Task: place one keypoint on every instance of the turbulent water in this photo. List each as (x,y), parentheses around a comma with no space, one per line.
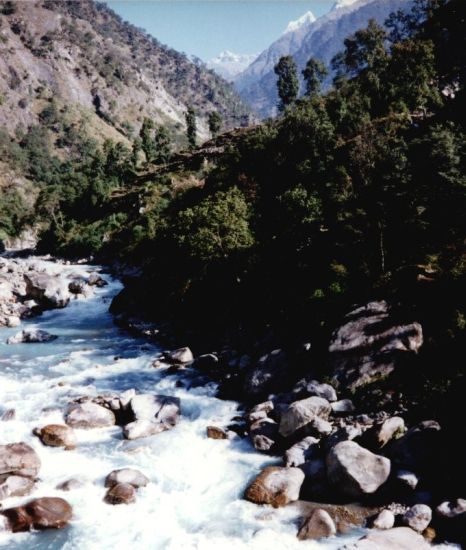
(194,498)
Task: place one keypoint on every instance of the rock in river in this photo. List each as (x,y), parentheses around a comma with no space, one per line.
(57,435)
(19,459)
(41,513)
(32,336)
(318,525)
(301,413)
(89,415)
(126,475)
(276,486)
(152,414)
(399,538)
(355,471)
(121,493)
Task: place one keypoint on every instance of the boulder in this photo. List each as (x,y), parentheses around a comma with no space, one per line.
(57,435)
(418,517)
(77,286)
(152,415)
(95,279)
(267,375)
(385,520)
(121,493)
(31,336)
(89,415)
(407,479)
(49,291)
(213,432)
(326,391)
(262,443)
(301,413)
(344,406)
(302,451)
(70,484)
(370,345)
(380,434)
(9,414)
(207,362)
(418,449)
(355,471)
(126,475)
(40,513)
(15,486)
(276,486)
(179,356)
(19,459)
(317,526)
(453,509)
(399,538)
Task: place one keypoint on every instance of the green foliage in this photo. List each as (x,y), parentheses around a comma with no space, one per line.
(215,123)
(314,74)
(215,228)
(191,127)
(287,83)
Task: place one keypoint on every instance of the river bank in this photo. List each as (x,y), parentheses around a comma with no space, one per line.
(196,484)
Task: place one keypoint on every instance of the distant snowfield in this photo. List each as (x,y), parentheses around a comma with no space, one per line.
(229,64)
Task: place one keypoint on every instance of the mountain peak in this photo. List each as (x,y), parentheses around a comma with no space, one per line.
(305,19)
(229,64)
(343,4)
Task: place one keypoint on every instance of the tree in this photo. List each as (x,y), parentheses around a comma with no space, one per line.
(191,128)
(215,123)
(287,83)
(162,144)
(314,74)
(147,138)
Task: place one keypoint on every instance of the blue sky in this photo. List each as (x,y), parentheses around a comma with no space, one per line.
(206,27)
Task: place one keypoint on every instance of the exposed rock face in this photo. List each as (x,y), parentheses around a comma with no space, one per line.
(355,471)
(49,291)
(418,517)
(57,435)
(121,493)
(126,475)
(301,413)
(152,414)
(318,525)
(276,486)
(401,538)
(32,336)
(41,513)
(89,415)
(19,459)
(370,345)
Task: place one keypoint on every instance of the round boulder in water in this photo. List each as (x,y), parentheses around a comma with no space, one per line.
(121,493)
(126,475)
(89,415)
(19,459)
(276,486)
(41,513)
(57,435)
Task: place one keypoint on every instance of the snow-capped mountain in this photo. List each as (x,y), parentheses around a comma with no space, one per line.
(228,64)
(321,38)
(303,21)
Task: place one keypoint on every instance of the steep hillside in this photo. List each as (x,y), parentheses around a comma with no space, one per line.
(106,71)
(322,39)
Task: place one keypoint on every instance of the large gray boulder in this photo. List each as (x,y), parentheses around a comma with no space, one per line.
(152,415)
(15,486)
(301,413)
(276,486)
(126,475)
(399,538)
(302,451)
(48,290)
(89,415)
(370,345)
(19,459)
(355,471)
(179,356)
(418,517)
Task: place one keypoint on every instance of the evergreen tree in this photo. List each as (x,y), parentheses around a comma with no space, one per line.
(287,83)
(314,74)
(162,146)
(215,123)
(147,139)
(191,128)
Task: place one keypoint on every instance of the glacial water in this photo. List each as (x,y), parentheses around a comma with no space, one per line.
(194,498)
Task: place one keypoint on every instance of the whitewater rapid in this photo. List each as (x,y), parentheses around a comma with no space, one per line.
(194,498)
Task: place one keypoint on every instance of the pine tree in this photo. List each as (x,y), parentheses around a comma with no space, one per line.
(314,74)
(287,83)
(147,139)
(162,143)
(215,123)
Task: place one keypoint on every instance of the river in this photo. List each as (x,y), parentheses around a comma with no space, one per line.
(194,498)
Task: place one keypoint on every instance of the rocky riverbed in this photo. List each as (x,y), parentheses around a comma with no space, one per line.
(108,441)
